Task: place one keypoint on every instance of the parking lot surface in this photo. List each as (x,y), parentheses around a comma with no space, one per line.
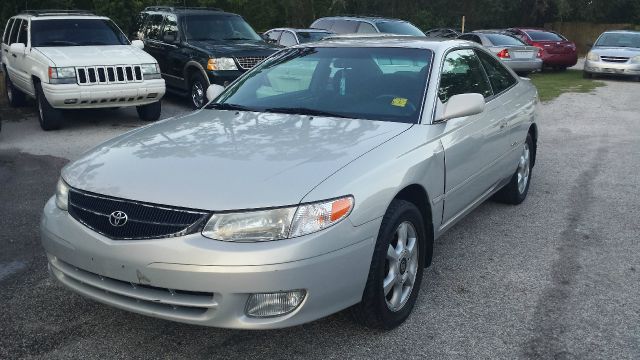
(557,277)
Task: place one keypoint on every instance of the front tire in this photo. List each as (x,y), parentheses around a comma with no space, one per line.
(149,112)
(50,118)
(518,187)
(396,269)
(15,97)
(198,90)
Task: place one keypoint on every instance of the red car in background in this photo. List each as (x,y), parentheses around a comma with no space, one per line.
(555,50)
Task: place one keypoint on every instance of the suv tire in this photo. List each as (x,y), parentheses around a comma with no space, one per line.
(376,310)
(50,117)
(516,190)
(149,112)
(198,90)
(15,97)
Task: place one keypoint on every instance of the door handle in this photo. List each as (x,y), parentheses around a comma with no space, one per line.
(14,55)
(503,125)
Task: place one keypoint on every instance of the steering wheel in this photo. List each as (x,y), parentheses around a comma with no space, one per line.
(408,104)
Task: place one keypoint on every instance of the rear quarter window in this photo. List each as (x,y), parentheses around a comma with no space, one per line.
(7,31)
(14,32)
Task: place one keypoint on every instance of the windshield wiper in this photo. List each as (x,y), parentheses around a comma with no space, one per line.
(227,106)
(237,38)
(304,111)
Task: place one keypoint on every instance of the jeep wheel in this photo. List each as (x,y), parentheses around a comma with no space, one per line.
(15,97)
(50,117)
(198,90)
(149,112)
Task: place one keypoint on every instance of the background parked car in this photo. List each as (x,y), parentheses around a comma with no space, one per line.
(197,47)
(444,33)
(615,52)
(288,37)
(520,57)
(362,24)
(557,51)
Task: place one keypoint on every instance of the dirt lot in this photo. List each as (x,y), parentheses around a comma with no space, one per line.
(557,277)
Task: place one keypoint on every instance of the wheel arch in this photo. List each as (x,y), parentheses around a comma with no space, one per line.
(417,195)
(192,67)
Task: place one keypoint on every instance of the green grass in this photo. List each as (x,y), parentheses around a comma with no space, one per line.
(551,84)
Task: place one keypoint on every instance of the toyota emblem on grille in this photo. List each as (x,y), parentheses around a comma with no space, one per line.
(118,218)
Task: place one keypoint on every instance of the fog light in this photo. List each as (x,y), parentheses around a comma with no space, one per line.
(274,304)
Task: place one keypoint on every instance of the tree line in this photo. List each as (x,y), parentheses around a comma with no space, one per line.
(426,14)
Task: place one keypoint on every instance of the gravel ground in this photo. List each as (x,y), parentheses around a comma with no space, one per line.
(557,277)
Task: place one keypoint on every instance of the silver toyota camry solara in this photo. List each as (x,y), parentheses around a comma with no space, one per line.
(316,182)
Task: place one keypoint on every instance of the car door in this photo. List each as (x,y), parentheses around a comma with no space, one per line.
(152,33)
(172,56)
(472,145)
(5,39)
(17,64)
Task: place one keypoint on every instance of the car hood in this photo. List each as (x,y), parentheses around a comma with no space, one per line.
(235,48)
(225,160)
(616,51)
(96,55)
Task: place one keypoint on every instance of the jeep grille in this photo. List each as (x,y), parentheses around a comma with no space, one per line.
(114,74)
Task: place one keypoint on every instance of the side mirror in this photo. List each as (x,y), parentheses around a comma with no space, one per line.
(213,91)
(169,38)
(17,48)
(138,43)
(462,105)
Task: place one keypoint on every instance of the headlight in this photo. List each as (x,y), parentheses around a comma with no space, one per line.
(62,195)
(591,56)
(221,64)
(150,71)
(277,224)
(636,59)
(62,75)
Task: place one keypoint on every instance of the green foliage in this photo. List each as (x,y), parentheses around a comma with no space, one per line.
(552,84)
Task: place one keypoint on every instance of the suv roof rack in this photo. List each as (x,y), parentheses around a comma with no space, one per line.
(174,8)
(51,12)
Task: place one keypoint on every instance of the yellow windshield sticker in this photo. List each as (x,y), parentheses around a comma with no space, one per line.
(401,102)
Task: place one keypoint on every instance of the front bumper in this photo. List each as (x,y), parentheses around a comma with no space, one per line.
(171,279)
(603,67)
(74,96)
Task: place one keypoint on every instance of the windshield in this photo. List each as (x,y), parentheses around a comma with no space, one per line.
(537,35)
(503,40)
(218,27)
(76,32)
(384,84)
(398,27)
(631,40)
(311,36)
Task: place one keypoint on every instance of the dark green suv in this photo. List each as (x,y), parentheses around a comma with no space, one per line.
(196,47)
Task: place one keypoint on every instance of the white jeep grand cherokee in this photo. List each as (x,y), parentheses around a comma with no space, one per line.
(77,60)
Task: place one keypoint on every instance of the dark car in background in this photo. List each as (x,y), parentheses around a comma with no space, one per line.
(557,51)
(286,37)
(366,25)
(196,47)
(520,57)
(443,33)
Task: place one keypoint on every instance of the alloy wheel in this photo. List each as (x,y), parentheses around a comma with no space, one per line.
(401,266)
(524,168)
(197,94)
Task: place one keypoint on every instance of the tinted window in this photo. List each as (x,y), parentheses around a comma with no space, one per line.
(170,28)
(631,40)
(7,31)
(153,27)
(471,37)
(14,31)
(398,27)
(139,25)
(503,40)
(500,78)
(310,36)
(384,84)
(344,27)
(462,74)
(537,35)
(287,39)
(322,24)
(76,32)
(366,28)
(23,33)
(218,27)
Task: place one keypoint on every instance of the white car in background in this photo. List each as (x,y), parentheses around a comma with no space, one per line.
(76,60)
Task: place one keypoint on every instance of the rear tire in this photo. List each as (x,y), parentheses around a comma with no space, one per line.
(398,263)
(15,97)
(198,90)
(149,112)
(50,118)
(517,189)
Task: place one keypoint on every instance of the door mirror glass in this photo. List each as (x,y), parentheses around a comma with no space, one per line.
(138,43)
(462,105)
(213,91)
(17,48)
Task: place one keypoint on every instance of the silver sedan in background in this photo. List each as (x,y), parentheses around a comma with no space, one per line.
(614,53)
(317,181)
(522,58)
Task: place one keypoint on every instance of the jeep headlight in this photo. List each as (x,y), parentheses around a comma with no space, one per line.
(635,59)
(591,56)
(62,75)
(150,71)
(62,195)
(221,64)
(278,224)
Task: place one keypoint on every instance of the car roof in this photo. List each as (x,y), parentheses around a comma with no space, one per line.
(621,32)
(300,30)
(47,14)
(404,41)
(360,17)
(186,10)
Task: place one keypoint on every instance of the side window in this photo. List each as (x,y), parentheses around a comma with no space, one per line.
(287,39)
(7,31)
(462,74)
(500,78)
(170,31)
(323,24)
(153,27)
(23,33)
(14,32)
(344,27)
(366,28)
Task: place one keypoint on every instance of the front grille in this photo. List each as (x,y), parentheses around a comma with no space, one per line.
(111,74)
(171,303)
(106,215)
(614,59)
(248,62)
